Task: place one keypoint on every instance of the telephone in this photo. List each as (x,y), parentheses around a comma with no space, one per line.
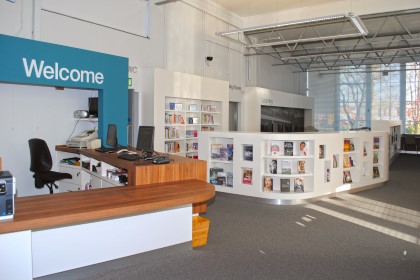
(81,140)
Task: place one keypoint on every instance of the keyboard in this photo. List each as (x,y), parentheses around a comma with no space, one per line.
(105,150)
(128,156)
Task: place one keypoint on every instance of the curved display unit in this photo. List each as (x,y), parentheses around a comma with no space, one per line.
(294,168)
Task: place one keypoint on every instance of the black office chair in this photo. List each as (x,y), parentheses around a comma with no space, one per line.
(41,163)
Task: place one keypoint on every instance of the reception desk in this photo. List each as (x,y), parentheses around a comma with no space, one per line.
(53,233)
(180,168)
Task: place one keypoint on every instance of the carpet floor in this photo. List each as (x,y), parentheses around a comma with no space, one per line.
(374,234)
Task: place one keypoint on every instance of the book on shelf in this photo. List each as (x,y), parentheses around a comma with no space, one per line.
(288,148)
(215,151)
(347,177)
(207,128)
(375,157)
(335,161)
(376,143)
(300,166)
(223,153)
(376,172)
(303,148)
(178,106)
(272,166)
(364,150)
(286,167)
(299,185)
(229,151)
(321,151)
(274,149)
(214,175)
(229,179)
(247,176)
(346,145)
(268,184)
(346,161)
(284,185)
(248,152)
(192,107)
(171,106)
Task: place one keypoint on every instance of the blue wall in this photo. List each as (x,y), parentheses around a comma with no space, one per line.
(24,61)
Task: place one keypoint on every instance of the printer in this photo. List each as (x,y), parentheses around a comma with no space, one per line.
(7,195)
(82,140)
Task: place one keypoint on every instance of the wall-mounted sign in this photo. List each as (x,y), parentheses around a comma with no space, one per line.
(266,101)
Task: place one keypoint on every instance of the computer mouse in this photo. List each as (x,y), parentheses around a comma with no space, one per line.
(122,151)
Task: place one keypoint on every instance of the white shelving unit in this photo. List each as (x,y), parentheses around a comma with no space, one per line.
(88,172)
(184,119)
(178,105)
(394,129)
(325,172)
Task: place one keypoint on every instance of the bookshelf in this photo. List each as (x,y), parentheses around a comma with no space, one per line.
(180,106)
(324,165)
(184,119)
(394,130)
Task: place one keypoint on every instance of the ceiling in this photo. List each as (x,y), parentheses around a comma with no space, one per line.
(326,45)
(246,8)
(331,44)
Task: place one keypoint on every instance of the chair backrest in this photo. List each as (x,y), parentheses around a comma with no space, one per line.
(41,160)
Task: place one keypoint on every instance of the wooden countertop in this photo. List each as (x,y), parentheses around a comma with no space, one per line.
(63,209)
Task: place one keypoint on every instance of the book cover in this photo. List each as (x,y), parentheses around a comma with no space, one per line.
(178,106)
(248,153)
(171,106)
(284,185)
(214,175)
(303,149)
(215,151)
(275,149)
(346,145)
(301,166)
(223,153)
(299,185)
(268,184)
(288,148)
(192,107)
(272,166)
(286,167)
(247,176)
(347,177)
(376,143)
(346,161)
(229,151)
(335,161)
(376,172)
(221,179)
(327,171)
(321,151)
(229,179)
(375,157)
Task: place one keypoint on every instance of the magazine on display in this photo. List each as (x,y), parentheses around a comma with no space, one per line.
(268,184)
(288,148)
(299,185)
(285,185)
(286,167)
(301,166)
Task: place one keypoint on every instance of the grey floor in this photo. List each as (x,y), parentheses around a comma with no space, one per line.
(373,234)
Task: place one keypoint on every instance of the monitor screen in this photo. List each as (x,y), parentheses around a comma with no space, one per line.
(93,106)
(145,138)
(111,138)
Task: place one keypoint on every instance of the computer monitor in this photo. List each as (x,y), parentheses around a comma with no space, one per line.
(93,107)
(145,139)
(111,138)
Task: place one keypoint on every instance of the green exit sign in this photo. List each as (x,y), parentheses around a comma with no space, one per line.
(130,82)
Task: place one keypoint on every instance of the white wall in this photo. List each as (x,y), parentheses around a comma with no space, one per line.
(36,112)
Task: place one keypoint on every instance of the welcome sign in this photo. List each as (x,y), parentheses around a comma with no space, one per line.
(26,61)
